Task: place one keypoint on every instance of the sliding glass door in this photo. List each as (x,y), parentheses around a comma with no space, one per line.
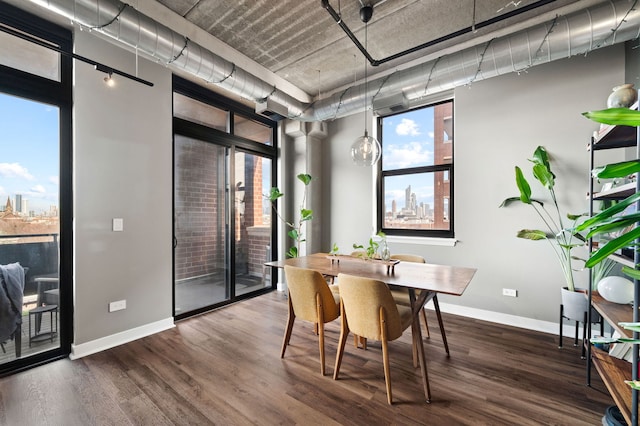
(35,192)
(201,234)
(223,235)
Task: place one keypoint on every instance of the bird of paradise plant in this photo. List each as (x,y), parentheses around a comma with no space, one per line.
(561,239)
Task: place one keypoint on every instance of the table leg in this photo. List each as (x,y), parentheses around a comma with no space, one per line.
(440,323)
(416,333)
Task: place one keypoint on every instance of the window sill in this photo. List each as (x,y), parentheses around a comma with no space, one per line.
(424,241)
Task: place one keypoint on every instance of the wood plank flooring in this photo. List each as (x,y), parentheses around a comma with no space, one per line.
(224,368)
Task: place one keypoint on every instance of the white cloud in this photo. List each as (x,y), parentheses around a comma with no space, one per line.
(407,155)
(2,191)
(39,189)
(54,180)
(407,127)
(14,170)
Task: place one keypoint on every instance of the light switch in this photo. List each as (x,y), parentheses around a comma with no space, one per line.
(118,224)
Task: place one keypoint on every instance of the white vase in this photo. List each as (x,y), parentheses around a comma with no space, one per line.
(623,96)
(616,289)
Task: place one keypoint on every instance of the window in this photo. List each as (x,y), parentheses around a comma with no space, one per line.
(416,186)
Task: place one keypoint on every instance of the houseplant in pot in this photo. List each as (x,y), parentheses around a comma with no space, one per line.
(562,239)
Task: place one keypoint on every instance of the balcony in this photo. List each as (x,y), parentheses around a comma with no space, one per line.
(38,253)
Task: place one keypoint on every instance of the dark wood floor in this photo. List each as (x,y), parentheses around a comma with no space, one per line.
(225,368)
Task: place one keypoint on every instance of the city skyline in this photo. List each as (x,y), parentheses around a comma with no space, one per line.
(29,161)
(408,141)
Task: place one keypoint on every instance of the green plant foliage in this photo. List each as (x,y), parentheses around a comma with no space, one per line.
(612,218)
(561,240)
(305,215)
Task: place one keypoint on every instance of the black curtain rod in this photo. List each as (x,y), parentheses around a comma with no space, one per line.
(97,65)
(376,62)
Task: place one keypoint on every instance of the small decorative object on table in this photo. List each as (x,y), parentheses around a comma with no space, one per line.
(623,96)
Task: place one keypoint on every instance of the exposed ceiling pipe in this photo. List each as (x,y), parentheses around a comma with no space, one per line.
(476,26)
(604,24)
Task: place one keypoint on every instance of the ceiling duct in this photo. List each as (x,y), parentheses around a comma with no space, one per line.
(391,104)
(601,25)
(271,109)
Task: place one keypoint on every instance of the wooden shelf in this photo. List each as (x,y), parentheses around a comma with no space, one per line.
(610,136)
(614,372)
(618,193)
(613,313)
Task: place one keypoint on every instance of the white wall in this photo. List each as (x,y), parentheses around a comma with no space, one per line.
(498,124)
(122,169)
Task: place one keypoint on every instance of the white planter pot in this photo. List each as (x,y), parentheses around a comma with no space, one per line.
(575,304)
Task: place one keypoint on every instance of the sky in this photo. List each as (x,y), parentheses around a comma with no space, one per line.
(407,141)
(29,152)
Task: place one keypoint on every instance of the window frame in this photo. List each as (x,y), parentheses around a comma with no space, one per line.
(382,174)
(60,93)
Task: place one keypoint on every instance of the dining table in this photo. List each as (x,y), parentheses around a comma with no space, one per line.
(428,279)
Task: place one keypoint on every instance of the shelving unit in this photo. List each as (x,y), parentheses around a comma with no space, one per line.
(615,371)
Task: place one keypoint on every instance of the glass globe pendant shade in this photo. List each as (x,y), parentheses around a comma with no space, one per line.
(366,150)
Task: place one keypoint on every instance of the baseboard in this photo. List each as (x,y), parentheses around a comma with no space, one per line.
(108,342)
(507,319)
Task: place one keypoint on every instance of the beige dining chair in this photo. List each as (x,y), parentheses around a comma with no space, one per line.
(401,296)
(368,310)
(310,299)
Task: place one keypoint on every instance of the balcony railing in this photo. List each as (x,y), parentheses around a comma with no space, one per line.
(38,252)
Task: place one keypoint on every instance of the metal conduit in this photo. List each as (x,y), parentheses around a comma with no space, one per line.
(605,24)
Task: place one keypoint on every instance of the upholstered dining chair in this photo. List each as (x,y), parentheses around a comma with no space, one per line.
(401,296)
(368,310)
(310,299)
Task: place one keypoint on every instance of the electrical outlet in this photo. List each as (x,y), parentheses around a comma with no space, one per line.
(117,305)
(509,292)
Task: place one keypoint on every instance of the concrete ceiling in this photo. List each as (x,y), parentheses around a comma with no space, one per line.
(300,42)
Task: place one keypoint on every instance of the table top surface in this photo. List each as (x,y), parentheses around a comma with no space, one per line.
(424,276)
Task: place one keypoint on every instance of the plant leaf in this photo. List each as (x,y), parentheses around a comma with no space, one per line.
(631,272)
(304,178)
(544,176)
(540,156)
(612,246)
(293,252)
(510,200)
(274,194)
(293,234)
(617,170)
(523,186)
(616,116)
(306,214)
(532,234)
(608,213)
(618,222)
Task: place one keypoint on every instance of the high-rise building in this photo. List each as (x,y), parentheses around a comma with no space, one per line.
(17,206)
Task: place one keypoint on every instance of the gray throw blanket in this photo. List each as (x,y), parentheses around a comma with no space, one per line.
(11,292)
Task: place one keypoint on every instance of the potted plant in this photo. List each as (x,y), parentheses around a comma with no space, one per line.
(560,238)
(295,233)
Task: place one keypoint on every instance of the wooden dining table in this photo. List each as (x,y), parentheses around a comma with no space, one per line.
(430,279)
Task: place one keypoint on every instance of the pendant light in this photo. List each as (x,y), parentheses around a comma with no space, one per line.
(366,149)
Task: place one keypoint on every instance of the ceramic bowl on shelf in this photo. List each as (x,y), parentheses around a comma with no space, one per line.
(616,289)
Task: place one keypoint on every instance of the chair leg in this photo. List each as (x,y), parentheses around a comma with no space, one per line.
(560,333)
(287,332)
(436,305)
(575,338)
(320,325)
(344,333)
(385,355)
